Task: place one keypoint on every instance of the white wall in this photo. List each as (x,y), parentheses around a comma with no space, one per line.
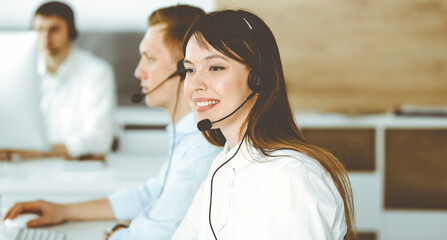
(106,15)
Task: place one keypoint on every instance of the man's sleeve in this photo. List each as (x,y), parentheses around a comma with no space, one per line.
(161,218)
(129,202)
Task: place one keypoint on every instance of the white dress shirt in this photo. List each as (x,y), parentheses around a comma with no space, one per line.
(78,103)
(286,197)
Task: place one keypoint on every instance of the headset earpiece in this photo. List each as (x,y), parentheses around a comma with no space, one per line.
(181,69)
(254,78)
(254,81)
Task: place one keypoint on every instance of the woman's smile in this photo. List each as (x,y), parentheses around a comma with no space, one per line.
(205,104)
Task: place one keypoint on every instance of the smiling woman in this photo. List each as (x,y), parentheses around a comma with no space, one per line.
(211,81)
(268,183)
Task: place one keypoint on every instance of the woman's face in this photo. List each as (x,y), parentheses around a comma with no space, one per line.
(216,85)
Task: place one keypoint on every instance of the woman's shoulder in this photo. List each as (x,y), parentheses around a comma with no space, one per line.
(287,164)
(303,173)
(288,158)
(299,185)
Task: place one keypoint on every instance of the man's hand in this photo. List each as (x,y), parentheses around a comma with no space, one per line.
(57,150)
(6,154)
(50,213)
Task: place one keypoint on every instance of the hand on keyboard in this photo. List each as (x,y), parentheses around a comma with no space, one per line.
(50,213)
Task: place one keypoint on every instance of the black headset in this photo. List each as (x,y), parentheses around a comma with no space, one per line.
(254,78)
(180,70)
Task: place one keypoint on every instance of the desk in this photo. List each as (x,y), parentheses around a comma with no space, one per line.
(93,230)
(60,181)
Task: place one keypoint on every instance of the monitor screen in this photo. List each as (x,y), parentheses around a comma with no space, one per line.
(21,122)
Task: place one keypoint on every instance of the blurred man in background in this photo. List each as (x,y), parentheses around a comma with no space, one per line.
(77,89)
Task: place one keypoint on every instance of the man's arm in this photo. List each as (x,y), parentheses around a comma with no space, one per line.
(53,213)
(99,209)
(189,168)
(8,154)
(57,150)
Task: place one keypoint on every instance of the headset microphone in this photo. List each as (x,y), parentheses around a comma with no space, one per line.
(137,97)
(206,124)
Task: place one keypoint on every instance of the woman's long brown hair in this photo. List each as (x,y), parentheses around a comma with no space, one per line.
(271,126)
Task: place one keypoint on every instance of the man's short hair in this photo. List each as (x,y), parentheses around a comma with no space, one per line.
(178,19)
(61,10)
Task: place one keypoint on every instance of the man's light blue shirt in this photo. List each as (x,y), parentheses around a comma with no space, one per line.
(157,216)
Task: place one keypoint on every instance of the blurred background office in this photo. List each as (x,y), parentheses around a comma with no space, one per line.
(367,80)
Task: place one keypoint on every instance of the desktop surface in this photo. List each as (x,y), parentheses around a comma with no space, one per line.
(62,181)
(59,176)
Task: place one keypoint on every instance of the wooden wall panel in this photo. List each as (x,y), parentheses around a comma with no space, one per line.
(366,236)
(350,55)
(416,169)
(355,148)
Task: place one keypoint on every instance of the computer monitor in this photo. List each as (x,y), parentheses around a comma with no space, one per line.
(21,124)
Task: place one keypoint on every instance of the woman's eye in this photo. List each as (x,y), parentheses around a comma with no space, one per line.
(189,70)
(216,68)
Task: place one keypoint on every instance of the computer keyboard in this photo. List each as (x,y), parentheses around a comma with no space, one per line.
(38,234)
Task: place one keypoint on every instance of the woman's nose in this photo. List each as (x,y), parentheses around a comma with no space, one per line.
(196,81)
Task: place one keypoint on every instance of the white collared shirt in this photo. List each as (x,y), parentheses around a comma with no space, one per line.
(286,197)
(78,103)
